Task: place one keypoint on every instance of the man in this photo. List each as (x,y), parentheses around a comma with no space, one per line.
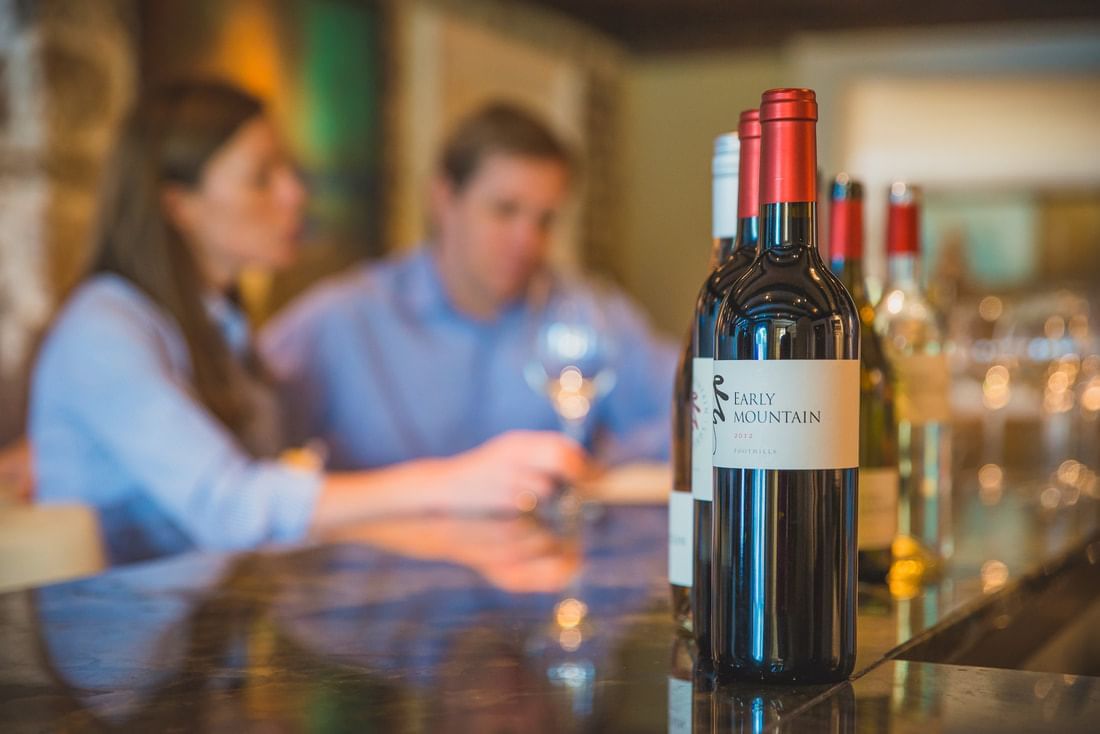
(425,354)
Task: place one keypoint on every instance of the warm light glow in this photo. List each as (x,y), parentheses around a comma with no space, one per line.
(1057,398)
(1090,484)
(997,376)
(1050,498)
(1070,365)
(570,639)
(570,613)
(1058,382)
(990,479)
(1070,471)
(994,576)
(995,388)
(990,475)
(571,379)
(246,50)
(573,407)
(1090,398)
(905,577)
(990,308)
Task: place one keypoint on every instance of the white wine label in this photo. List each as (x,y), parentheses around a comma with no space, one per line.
(878,508)
(679,705)
(724,201)
(786,413)
(680,551)
(924,388)
(702,429)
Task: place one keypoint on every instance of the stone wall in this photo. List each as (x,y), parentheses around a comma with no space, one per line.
(67,75)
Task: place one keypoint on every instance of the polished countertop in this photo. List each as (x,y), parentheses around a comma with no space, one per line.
(500,625)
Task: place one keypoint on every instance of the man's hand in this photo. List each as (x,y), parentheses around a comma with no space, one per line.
(513,471)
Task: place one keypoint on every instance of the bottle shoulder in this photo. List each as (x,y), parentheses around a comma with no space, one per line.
(723,277)
(794,285)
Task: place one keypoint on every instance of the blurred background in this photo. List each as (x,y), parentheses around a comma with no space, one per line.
(992,106)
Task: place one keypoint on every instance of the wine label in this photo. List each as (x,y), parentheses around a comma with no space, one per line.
(724,212)
(679,705)
(924,388)
(878,508)
(680,550)
(702,429)
(786,413)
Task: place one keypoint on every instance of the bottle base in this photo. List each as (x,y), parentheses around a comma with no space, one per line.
(804,675)
(681,608)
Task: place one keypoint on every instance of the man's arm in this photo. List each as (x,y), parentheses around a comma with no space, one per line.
(635,418)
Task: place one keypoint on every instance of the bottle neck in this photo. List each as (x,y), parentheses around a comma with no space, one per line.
(850,272)
(846,229)
(748,191)
(723,250)
(748,237)
(748,233)
(903,268)
(790,226)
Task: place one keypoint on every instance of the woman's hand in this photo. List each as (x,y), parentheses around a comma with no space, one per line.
(16,471)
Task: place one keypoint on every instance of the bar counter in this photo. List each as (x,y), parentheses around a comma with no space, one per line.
(499,625)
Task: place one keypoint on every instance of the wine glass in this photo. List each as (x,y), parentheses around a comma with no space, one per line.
(572,358)
(572,363)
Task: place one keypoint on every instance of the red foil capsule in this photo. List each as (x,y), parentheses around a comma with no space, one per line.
(788,146)
(846,219)
(748,197)
(903,220)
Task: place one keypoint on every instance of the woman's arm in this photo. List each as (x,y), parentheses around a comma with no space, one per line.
(111,413)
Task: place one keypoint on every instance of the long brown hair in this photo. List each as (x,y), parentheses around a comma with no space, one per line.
(168,139)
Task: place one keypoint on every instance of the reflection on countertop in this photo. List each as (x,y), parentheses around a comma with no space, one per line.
(501,625)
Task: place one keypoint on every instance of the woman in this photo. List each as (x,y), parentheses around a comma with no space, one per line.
(148,401)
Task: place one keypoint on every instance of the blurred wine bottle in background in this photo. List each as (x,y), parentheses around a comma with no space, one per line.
(878,440)
(915,346)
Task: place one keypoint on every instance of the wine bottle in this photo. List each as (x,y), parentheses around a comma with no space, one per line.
(680,548)
(739,252)
(915,347)
(690,463)
(786,458)
(878,433)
